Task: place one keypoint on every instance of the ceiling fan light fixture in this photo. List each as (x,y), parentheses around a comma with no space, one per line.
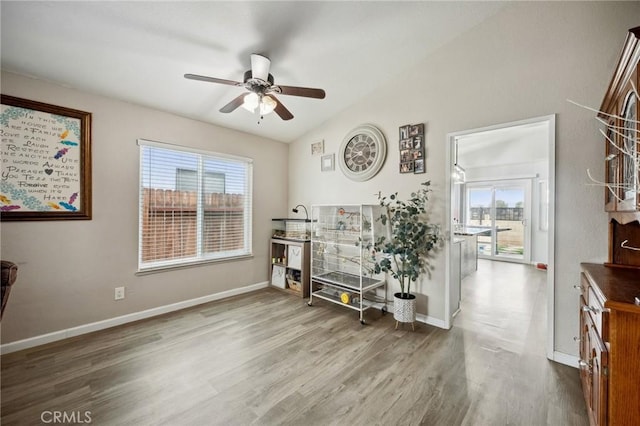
(251,102)
(267,105)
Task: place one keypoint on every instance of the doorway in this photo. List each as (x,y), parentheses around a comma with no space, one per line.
(501,177)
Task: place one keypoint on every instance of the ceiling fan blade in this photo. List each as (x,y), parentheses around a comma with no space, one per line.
(231,106)
(281,110)
(260,66)
(306,92)
(212,79)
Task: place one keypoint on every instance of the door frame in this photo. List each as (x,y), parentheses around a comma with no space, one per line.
(449,184)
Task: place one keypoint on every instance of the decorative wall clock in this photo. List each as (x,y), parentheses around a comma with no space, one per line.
(362,153)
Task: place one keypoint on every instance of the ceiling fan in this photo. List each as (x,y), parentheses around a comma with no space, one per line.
(261,87)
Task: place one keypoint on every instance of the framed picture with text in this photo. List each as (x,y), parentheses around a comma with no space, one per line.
(46,161)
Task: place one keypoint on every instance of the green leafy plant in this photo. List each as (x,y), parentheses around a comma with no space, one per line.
(405,254)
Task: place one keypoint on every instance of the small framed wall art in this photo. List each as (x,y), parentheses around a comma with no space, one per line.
(317,148)
(411,145)
(327,163)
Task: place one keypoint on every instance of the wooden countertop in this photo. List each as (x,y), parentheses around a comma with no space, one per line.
(618,286)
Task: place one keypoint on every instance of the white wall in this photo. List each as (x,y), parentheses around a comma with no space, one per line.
(68,269)
(524,62)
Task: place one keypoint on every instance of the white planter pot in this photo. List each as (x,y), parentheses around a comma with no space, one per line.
(404,310)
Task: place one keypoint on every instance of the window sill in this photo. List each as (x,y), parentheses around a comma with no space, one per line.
(185,265)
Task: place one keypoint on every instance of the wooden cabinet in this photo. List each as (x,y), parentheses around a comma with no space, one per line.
(290,266)
(594,357)
(610,344)
(610,293)
(619,110)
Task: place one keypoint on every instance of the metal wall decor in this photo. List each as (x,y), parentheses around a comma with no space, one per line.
(412,158)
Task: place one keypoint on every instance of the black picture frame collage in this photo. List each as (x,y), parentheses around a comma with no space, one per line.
(412,158)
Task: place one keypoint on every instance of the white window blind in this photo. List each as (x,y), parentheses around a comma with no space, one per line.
(195,206)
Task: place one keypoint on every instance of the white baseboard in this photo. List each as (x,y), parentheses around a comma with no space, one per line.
(426,319)
(436,322)
(566,359)
(112,322)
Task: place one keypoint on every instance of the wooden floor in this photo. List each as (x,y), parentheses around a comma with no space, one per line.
(266,358)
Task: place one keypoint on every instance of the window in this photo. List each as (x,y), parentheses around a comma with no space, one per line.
(187,180)
(195,206)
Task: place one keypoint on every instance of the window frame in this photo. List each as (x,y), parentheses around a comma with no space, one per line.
(201,258)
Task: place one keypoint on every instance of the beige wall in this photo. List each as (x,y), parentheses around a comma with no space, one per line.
(524,62)
(68,269)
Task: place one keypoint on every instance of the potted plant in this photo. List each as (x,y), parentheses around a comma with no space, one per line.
(405,253)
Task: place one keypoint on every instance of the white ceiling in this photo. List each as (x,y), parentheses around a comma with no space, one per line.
(139,51)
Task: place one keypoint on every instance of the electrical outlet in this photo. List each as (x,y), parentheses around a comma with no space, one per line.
(119,293)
